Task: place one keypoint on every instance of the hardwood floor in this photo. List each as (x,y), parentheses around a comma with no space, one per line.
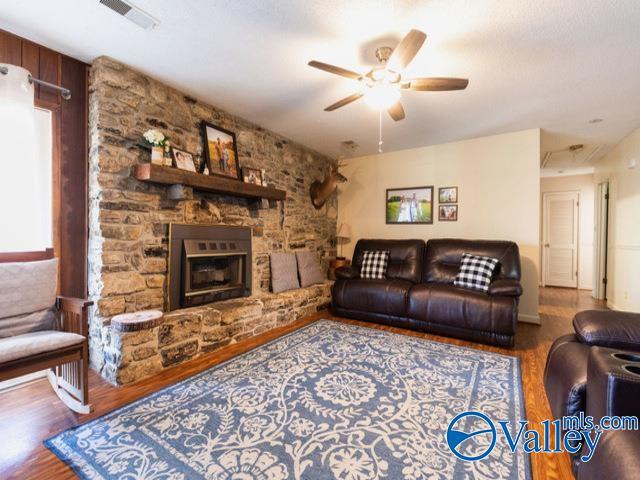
(32,413)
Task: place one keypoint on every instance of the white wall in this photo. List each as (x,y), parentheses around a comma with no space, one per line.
(498,181)
(623,279)
(584,185)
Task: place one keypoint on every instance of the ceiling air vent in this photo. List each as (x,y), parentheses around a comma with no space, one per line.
(131,12)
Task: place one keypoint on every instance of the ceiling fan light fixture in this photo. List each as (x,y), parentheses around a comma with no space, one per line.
(382,96)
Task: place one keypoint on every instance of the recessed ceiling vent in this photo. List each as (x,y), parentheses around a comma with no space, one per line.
(131,12)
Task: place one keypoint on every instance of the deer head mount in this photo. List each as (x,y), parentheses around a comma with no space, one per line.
(321,191)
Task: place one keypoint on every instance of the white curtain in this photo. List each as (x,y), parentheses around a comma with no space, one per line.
(25,178)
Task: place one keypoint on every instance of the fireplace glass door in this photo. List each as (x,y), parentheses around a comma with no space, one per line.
(215,273)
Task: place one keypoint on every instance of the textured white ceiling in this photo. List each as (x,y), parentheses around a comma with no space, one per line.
(552,64)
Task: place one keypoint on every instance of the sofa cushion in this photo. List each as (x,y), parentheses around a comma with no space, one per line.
(444,255)
(475,272)
(284,272)
(405,257)
(309,268)
(565,376)
(30,344)
(27,287)
(29,322)
(608,328)
(374,264)
(380,296)
(462,308)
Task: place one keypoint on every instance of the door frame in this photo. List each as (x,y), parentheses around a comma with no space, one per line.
(545,232)
(601,240)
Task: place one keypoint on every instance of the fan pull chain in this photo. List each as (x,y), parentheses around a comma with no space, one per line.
(380,131)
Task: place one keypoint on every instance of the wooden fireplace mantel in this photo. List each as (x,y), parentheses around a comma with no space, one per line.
(148,172)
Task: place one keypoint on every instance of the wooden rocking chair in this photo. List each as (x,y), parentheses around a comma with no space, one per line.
(40,331)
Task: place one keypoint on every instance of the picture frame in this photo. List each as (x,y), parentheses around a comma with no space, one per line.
(220,151)
(448,195)
(448,213)
(412,205)
(183,160)
(252,175)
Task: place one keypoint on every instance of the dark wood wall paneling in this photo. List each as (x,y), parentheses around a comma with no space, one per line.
(69,153)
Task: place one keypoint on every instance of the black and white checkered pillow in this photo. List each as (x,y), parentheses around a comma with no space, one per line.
(475,272)
(374,264)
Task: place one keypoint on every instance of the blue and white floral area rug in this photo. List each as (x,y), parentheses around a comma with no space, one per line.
(328,401)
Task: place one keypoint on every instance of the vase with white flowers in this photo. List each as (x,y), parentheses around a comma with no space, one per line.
(157,141)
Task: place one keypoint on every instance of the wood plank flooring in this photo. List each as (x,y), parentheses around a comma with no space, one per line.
(32,413)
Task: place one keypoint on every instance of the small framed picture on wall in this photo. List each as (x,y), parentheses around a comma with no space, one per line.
(448,213)
(448,195)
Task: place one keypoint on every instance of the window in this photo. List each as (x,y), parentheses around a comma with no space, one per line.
(26,183)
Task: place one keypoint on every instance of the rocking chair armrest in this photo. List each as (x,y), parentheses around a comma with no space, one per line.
(73,305)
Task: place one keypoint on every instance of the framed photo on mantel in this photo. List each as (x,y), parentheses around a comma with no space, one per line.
(221,151)
(409,205)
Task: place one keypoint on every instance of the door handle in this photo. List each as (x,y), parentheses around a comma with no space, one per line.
(547,245)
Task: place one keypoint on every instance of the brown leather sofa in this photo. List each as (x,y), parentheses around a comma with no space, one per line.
(596,370)
(418,291)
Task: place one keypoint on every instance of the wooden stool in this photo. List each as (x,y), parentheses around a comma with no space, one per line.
(136,321)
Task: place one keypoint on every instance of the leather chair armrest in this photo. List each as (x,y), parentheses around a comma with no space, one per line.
(505,287)
(347,273)
(615,456)
(608,328)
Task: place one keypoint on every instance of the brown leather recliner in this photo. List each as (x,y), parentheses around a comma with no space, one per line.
(418,291)
(596,371)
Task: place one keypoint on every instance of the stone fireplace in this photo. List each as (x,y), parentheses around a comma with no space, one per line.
(208,263)
(131,253)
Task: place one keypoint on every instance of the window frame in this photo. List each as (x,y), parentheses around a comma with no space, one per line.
(54,250)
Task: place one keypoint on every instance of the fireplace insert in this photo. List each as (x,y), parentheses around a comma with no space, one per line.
(208,263)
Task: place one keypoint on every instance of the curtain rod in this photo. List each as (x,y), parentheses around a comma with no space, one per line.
(64,92)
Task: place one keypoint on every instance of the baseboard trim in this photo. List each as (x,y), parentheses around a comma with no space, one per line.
(19,381)
(612,306)
(524,318)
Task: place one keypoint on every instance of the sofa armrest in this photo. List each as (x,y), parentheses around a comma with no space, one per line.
(608,328)
(73,315)
(347,273)
(505,287)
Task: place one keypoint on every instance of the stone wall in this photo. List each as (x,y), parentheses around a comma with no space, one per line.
(129,220)
(188,333)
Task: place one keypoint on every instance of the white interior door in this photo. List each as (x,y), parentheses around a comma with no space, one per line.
(560,233)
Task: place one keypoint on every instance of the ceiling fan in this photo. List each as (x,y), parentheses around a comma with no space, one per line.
(381,86)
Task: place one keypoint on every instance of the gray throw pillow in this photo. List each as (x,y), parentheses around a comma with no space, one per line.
(309,269)
(284,272)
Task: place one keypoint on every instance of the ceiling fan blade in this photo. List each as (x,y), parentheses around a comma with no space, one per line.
(396,111)
(343,102)
(406,50)
(436,84)
(335,70)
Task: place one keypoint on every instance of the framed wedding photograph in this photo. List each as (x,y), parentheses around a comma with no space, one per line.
(448,195)
(409,205)
(448,213)
(221,151)
(183,160)
(252,175)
